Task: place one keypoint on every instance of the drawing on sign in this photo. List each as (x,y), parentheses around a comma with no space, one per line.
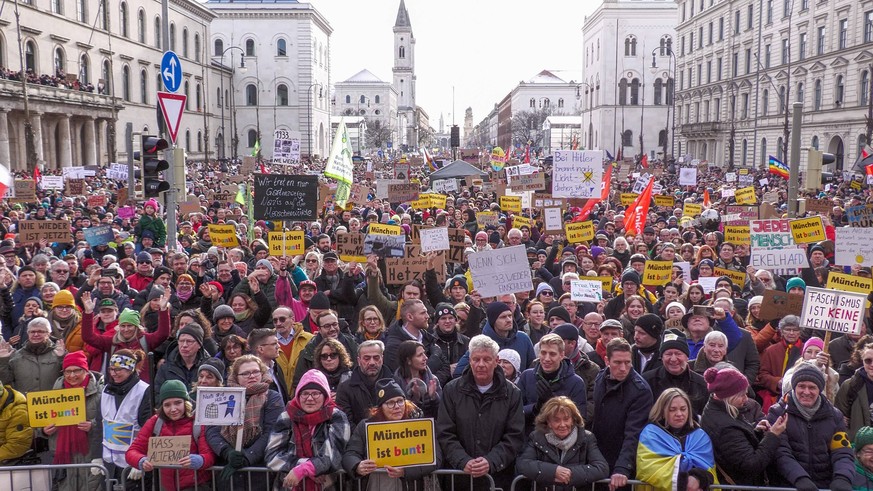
(220,406)
(577,174)
(171,71)
(286,150)
(384,245)
(853,246)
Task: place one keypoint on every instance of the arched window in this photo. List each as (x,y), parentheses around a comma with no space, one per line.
(402,52)
(627,138)
(141,26)
(635,92)
(60,61)
(800,93)
(814,143)
(172,37)
(533,102)
(84,70)
(198,98)
(668,92)
(107,79)
(251,95)
(865,87)
(158,35)
(218,48)
(197,47)
(252,138)
(199,141)
(839,91)
(363,99)
(187,95)
(782,100)
(281,47)
(348,99)
(377,99)
(185,42)
(250,47)
(282,95)
(123,20)
(765,102)
(546,103)
(622,92)
(143,87)
(666,45)
(187,140)
(218,98)
(125,83)
(662,138)
(657,92)
(560,103)
(30,56)
(630,46)
(816,96)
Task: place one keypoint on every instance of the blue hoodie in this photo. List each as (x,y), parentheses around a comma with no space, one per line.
(517,340)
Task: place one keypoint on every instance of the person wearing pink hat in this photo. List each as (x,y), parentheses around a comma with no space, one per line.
(813,353)
(151,221)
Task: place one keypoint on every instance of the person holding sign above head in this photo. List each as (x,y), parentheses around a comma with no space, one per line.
(175,417)
(391,405)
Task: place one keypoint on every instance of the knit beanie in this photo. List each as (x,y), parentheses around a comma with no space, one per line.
(652,324)
(677,305)
(459,280)
(387,389)
(807,372)
(221,312)
(813,341)
(559,312)
(265,263)
(194,330)
(156,292)
(794,283)
(173,389)
(444,309)
(494,311)
(35,299)
(674,339)
(63,297)
(162,270)
(129,316)
(631,275)
(756,300)
(512,357)
(706,262)
(567,332)
(542,287)
(319,302)
(726,382)
(76,359)
(863,437)
(218,286)
(215,367)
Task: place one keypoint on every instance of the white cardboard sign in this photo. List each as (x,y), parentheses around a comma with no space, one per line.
(854,245)
(220,406)
(833,310)
(434,239)
(577,173)
(688,176)
(554,220)
(586,291)
(500,271)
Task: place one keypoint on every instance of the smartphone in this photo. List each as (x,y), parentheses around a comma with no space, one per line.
(704,310)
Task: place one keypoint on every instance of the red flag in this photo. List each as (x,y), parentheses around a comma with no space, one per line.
(636,214)
(36,175)
(527,154)
(869,170)
(575,144)
(604,195)
(706,201)
(263,169)
(5,180)
(645,161)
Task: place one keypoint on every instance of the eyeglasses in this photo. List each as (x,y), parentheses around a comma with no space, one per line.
(40,332)
(312,396)
(395,403)
(329,356)
(64,307)
(279,319)
(250,373)
(143,262)
(868,361)
(61,271)
(312,260)
(332,325)
(73,371)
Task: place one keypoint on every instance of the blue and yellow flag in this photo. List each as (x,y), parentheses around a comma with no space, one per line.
(660,456)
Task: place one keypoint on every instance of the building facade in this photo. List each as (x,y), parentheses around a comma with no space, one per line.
(742,64)
(366,96)
(283,81)
(624,102)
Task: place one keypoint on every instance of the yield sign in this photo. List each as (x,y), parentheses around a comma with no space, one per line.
(172,106)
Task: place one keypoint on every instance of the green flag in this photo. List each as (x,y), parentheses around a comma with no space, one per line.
(257,148)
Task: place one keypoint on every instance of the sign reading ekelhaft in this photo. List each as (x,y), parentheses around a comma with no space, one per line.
(577,173)
(285,197)
(773,247)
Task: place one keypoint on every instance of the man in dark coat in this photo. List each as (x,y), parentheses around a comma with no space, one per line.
(622,400)
(481,420)
(357,395)
(676,372)
(415,322)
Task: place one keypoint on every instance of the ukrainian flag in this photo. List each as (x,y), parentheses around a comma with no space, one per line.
(778,168)
(661,457)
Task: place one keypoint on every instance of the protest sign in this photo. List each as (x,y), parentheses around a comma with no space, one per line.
(437,200)
(764,181)
(358,194)
(773,247)
(286,148)
(247,166)
(727,192)
(73,172)
(350,247)
(849,283)
(457,244)
(384,245)
(32,231)
(378,228)
(692,209)
(434,239)
(525,196)
(190,206)
(853,246)
(746,213)
(586,290)
(285,243)
(577,173)
(777,304)
(641,183)
(99,235)
(730,177)
(24,191)
(445,186)
(860,216)
(790,258)
(61,407)
(126,212)
(285,197)
(400,271)
(657,273)
(168,450)
(487,218)
(737,234)
(52,182)
(519,221)
(667,201)
(76,187)
(511,204)
(833,310)
(579,231)
(96,200)
(685,266)
(554,220)
(401,170)
(822,206)
(223,235)
(382,186)
(628,199)
(547,201)
(745,196)
(737,277)
(220,406)
(534,182)
(688,176)
(403,192)
(401,443)
(116,171)
(606,283)
(500,271)
(707,283)
(808,230)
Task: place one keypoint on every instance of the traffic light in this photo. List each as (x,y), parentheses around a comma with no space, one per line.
(455,137)
(151,166)
(814,177)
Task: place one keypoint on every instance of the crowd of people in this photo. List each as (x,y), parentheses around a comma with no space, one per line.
(676,385)
(59,79)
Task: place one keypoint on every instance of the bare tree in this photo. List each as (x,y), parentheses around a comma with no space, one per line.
(377,133)
(527,126)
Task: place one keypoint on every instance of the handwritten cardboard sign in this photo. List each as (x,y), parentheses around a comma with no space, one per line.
(403,192)
(777,304)
(400,271)
(500,271)
(285,197)
(434,239)
(577,173)
(168,450)
(350,247)
(833,310)
(75,187)
(31,231)
(853,246)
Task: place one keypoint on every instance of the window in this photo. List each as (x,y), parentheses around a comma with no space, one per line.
(815,142)
(717,106)
(199,141)
(666,45)
(57,7)
(844,33)
(281,48)
(801,95)
(282,95)
(630,46)
(348,99)
(662,138)
(199,98)
(779,148)
(700,74)
(733,107)
(804,5)
(622,92)
(737,22)
(185,42)
(668,93)
(123,20)
(816,95)
(546,102)
(700,38)
(745,106)
(769,11)
(197,47)
(786,7)
(250,47)
(709,37)
(803,44)
(748,60)
(560,103)
(125,83)
(218,96)
(657,94)
(219,47)
(635,92)
(140,26)
(158,34)
(767,52)
(708,71)
(627,138)
(251,95)
(839,91)
(706,114)
(172,37)
(401,52)
(720,28)
(187,92)
(363,99)
(532,102)
(252,138)
(106,78)
(697,112)
(377,99)
(60,61)
(786,51)
(865,87)
(735,66)
(690,42)
(718,64)
(821,41)
(765,102)
(84,70)
(868,26)
(749,17)
(82,11)
(745,150)
(782,99)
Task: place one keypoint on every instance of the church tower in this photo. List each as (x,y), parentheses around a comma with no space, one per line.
(404,77)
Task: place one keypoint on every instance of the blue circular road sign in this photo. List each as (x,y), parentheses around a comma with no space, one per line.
(171,71)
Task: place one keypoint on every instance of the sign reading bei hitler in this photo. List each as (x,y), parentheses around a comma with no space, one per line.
(63,407)
(402,443)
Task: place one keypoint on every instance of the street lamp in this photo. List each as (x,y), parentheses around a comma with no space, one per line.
(671,91)
(309,104)
(242,69)
(590,114)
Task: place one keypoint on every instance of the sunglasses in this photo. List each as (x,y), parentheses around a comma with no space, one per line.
(279,319)
(329,356)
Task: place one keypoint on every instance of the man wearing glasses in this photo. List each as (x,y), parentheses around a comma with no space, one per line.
(292,340)
(264,344)
(60,274)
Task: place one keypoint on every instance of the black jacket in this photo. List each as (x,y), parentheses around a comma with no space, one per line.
(540,459)
(621,413)
(691,382)
(356,395)
(435,359)
(174,369)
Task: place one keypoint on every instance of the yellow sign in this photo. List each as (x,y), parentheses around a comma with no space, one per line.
(808,230)
(657,273)
(738,277)
(378,228)
(437,200)
(510,204)
(579,232)
(401,443)
(286,244)
(746,196)
(855,185)
(692,209)
(223,235)
(607,282)
(519,221)
(849,283)
(737,234)
(628,198)
(62,407)
(486,218)
(664,200)
(422,203)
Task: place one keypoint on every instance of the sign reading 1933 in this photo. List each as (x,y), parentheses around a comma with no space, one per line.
(285,197)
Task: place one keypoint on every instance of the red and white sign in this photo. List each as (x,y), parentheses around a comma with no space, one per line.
(172,106)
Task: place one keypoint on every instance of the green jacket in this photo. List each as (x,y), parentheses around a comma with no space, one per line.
(156,225)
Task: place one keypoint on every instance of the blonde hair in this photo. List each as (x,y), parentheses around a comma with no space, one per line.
(556,405)
(659,410)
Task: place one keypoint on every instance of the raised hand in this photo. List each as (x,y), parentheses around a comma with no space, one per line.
(88,302)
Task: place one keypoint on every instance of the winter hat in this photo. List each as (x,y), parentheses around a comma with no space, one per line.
(387,389)
(631,275)
(674,339)
(162,270)
(217,286)
(544,286)
(559,312)
(152,203)
(63,297)
(494,238)
(726,382)
(259,247)
(266,264)
(677,305)
(863,437)
(482,235)
(458,281)
(144,257)
(494,311)
(76,359)
(807,372)
(794,283)
(652,324)
(756,300)
(313,380)
(319,302)
(611,324)
(129,316)
(156,292)
(215,367)
(194,330)
(222,312)
(173,389)
(813,341)
(512,357)
(707,262)
(567,331)
(444,309)
(24,269)
(35,299)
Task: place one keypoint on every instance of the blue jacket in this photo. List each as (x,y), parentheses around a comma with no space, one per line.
(19,296)
(727,326)
(567,384)
(622,413)
(517,340)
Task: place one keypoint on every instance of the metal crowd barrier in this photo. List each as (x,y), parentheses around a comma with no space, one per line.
(521,483)
(40,477)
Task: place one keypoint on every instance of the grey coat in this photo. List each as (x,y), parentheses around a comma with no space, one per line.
(27,370)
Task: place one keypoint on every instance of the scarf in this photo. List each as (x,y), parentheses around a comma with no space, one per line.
(303,427)
(372,337)
(256,397)
(184,295)
(867,475)
(563,444)
(117,340)
(806,412)
(39,349)
(62,327)
(71,440)
(241,316)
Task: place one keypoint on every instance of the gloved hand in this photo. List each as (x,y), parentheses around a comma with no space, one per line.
(840,483)
(544,392)
(196,461)
(237,459)
(806,484)
(96,471)
(134,475)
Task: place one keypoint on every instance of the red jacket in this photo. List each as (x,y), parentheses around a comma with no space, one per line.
(103,343)
(139,282)
(185,426)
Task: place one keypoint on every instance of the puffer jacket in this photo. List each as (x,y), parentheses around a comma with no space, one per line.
(32,368)
(518,341)
(567,383)
(852,401)
(540,459)
(185,426)
(818,449)
(16,434)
